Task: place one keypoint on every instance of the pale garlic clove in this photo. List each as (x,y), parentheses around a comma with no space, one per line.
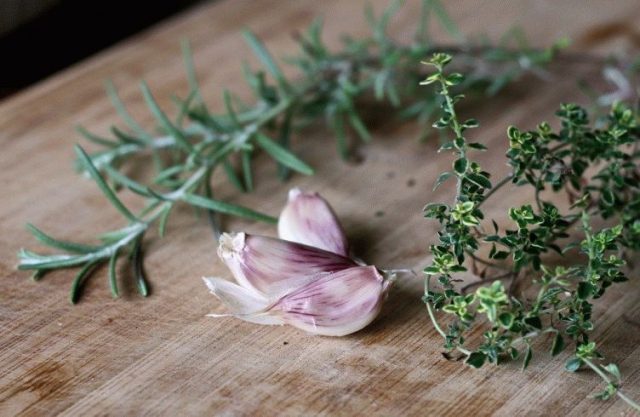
(308,219)
(335,304)
(274,267)
(241,302)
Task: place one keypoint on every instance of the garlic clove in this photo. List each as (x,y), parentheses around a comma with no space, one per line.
(241,302)
(308,219)
(335,304)
(275,267)
(317,288)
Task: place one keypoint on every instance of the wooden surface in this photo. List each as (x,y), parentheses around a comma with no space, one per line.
(161,355)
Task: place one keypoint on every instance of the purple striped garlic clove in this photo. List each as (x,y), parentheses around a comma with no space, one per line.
(336,304)
(333,304)
(308,219)
(274,266)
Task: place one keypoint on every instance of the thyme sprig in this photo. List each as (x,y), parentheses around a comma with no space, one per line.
(198,143)
(598,169)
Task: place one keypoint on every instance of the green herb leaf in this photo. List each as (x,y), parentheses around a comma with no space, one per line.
(79,280)
(527,358)
(476,359)
(573,364)
(442,178)
(227,208)
(479,180)
(113,279)
(460,165)
(266,58)
(613,369)
(558,344)
(282,155)
(60,244)
(106,190)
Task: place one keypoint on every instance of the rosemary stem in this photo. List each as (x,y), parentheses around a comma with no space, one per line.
(189,184)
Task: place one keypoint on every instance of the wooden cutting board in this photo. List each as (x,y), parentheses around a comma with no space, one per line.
(161,355)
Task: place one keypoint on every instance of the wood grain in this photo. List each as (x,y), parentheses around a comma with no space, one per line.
(161,355)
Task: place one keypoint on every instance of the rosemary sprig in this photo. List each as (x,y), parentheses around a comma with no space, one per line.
(129,237)
(197,143)
(598,169)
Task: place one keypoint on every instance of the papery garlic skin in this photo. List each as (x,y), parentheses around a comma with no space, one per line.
(274,266)
(241,302)
(307,218)
(334,304)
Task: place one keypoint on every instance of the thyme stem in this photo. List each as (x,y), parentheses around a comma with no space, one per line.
(430,310)
(608,380)
(507,178)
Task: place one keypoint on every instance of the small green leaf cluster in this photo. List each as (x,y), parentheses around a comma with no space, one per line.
(534,236)
(542,159)
(598,168)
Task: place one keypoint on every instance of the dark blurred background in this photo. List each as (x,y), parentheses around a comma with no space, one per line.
(40,37)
